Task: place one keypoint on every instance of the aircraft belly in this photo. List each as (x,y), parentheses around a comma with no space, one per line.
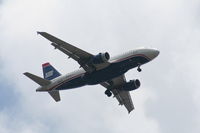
(103,74)
(114,70)
(74,83)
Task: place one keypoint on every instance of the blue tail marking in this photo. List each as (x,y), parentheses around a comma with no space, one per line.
(49,72)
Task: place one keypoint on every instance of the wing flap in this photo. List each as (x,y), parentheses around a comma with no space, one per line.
(66,51)
(125,99)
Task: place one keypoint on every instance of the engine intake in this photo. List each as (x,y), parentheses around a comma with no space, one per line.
(101,58)
(131,85)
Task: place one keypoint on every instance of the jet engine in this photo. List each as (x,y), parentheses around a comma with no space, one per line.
(101,58)
(131,85)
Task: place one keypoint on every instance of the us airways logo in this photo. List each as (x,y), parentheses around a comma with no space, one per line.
(49,74)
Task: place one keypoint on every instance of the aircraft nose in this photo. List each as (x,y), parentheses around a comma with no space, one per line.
(153,53)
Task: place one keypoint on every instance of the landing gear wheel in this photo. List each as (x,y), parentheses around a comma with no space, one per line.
(139,69)
(110,82)
(108,93)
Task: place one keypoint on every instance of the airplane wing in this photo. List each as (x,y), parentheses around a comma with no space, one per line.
(81,56)
(123,97)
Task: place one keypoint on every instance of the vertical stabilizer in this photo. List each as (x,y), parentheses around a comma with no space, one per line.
(49,72)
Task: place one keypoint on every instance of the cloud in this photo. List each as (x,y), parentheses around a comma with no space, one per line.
(8,96)
(174,106)
(170,97)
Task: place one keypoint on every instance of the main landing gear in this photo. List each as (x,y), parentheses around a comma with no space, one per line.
(108,93)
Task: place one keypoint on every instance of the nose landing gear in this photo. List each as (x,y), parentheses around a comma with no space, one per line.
(139,69)
(108,93)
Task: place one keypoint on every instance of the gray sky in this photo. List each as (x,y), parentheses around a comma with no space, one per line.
(167,101)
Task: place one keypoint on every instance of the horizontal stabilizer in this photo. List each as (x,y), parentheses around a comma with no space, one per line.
(55,95)
(37,79)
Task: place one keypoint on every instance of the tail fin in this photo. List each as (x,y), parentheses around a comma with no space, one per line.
(49,72)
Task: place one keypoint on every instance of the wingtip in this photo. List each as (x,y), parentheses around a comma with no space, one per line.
(25,73)
(58,100)
(129,111)
(39,32)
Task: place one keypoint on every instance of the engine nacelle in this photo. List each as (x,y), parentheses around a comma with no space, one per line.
(131,85)
(101,58)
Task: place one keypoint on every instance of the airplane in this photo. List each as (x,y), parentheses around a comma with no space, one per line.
(94,69)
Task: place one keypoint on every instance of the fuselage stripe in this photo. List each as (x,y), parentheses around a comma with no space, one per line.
(122,59)
(71,78)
